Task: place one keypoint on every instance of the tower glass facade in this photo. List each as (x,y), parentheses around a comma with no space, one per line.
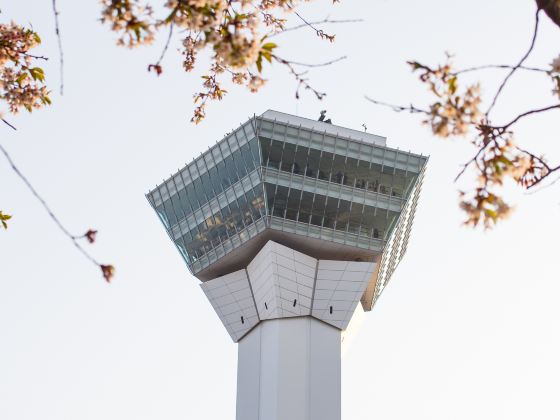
(280,173)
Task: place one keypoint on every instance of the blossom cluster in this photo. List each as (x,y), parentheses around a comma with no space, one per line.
(21,83)
(498,159)
(234,30)
(133,22)
(453,113)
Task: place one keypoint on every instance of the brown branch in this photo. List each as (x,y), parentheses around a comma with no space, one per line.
(523,115)
(59,41)
(8,124)
(166,47)
(320,33)
(301,80)
(318,22)
(399,108)
(498,66)
(107,270)
(327,63)
(516,67)
(38,57)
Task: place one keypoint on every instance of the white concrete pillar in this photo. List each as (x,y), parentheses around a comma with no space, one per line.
(289,369)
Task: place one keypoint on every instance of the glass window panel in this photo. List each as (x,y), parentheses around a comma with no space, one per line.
(175,202)
(374,177)
(351,172)
(392,218)
(169,212)
(288,157)
(161,212)
(218,229)
(312,167)
(239,163)
(270,192)
(379,223)
(355,218)
(368,221)
(325,166)
(318,210)
(199,191)
(258,202)
(245,210)
(192,197)
(343,215)
(386,180)
(305,207)
(207,185)
(275,155)
(300,160)
(265,149)
(362,174)
(330,213)
(247,157)
(224,177)
(280,200)
(231,170)
(338,169)
(294,198)
(237,216)
(228,221)
(215,179)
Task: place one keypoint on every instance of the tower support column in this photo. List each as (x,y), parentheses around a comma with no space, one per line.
(289,369)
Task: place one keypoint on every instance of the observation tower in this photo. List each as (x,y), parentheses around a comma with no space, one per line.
(292,226)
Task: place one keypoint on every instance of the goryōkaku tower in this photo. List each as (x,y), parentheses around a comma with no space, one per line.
(292,226)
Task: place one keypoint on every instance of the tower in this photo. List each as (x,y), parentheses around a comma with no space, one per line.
(292,226)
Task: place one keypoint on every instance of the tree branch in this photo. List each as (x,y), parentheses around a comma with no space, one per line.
(518,66)
(107,270)
(60,50)
(318,22)
(327,63)
(399,108)
(8,124)
(498,66)
(525,114)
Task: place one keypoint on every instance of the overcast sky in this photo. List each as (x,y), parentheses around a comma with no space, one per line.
(467,329)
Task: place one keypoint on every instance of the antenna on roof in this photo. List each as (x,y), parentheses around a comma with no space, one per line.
(365,127)
(323,115)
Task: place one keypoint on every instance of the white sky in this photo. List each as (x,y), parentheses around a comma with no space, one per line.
(468,327)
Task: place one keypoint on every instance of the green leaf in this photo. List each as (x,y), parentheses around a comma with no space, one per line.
(36,37)
(269,46)
(259,63)
(452,84)
(21,78)
(37,73)
(267,55)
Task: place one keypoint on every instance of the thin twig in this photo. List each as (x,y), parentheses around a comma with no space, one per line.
(515,68)
(327,63)
(399,108)
(60,50)
(8,124)
(166,47)
(498,66)
(523,115)
(301,81)
(38,57)
(73,238)
(320,33)
(319,22)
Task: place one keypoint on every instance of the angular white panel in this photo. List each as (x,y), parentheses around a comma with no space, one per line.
(282,281)
(338,289)
(231,297)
